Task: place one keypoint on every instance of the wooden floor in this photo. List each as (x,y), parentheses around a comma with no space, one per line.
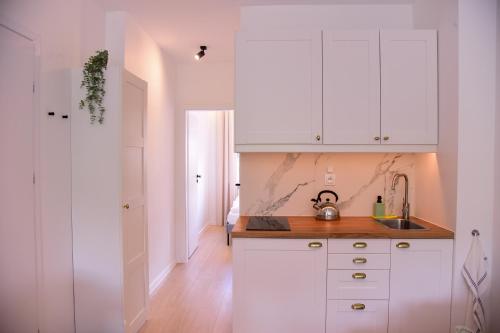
(196,297)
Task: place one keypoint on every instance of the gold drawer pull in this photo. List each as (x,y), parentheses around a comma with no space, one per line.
(359,276)
(359,245)
(315,245)
(403,245)
(126,206)
(358,306)
(359,260)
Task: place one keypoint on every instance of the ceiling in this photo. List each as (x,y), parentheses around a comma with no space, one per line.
(181,26)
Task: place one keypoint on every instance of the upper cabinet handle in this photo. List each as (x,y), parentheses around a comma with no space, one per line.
(318,137)
(403,245)
(377,138)
(359,245)
(126,206)
(315,245)
(386,138)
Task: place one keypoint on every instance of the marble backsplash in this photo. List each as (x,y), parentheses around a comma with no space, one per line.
(284,183)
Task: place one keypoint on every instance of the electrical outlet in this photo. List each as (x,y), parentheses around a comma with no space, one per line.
(329,179)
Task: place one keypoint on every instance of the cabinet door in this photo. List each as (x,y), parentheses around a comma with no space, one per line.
(409,87)
(420,286)
(351,87)
(279,286)
(278,87)
(351,316)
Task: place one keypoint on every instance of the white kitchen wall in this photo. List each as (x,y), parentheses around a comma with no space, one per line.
(495,260)
(437,173)
(199,86)
(476,134)
(326,17)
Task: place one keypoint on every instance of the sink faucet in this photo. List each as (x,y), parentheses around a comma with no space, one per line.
(406,204)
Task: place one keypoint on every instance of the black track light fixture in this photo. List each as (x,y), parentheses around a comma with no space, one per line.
(200,54)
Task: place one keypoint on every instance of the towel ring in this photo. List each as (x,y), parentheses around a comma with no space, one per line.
(475,232)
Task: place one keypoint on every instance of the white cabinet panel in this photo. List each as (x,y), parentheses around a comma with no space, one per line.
(278,87)
(420,286)
(409,86)
(351,87)
(359,261)
(359,245)
(279,285)
(358,284)
(342,318)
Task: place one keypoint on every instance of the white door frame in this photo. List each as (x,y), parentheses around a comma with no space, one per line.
(182,233)
(34,38)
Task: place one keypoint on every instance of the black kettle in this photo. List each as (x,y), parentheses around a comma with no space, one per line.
(326,210)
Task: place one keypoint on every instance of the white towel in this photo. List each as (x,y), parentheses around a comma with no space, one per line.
(474,272)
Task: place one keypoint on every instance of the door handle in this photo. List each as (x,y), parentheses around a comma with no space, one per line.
(315,245)
(358,306)
(359,260)
(359,276)
(126,206)
(403,245)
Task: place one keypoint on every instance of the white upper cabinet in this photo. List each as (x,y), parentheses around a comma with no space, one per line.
(344,91)
(409,99)
(278,87)
(420,288)
(351,87)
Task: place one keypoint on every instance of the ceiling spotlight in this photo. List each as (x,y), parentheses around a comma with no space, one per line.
(200,54)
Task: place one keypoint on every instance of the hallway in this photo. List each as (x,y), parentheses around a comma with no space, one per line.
(196,297)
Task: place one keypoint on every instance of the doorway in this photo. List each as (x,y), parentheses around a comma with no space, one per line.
(212,171)
(18,236)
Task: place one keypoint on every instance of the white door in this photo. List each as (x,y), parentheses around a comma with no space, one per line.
(196,179)
(279,285)
(420,285)
(409,100)
(18,268)
(351,87)
(278,87)
(135,226)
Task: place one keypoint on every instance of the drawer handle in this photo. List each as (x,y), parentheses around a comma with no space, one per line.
(315,245)
(403,245)
(359,245)
(359,260)
(359,276)
(358,306)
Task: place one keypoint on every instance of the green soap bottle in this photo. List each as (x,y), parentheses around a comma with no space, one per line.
(379,207)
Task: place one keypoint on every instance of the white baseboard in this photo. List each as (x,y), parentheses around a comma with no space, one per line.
(157,282)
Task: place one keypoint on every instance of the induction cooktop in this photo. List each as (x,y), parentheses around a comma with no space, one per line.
(269,223)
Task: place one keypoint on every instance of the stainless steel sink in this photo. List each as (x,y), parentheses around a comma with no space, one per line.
(400,224)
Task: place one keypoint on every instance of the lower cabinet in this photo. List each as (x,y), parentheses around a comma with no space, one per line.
(353,316)
(420,288)
(279,285)
(349,286)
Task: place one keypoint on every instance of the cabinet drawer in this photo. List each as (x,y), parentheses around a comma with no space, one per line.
(359,261)
(359,245)
(358,284)
(342,318)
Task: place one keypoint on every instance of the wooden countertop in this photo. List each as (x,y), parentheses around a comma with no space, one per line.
(346,227)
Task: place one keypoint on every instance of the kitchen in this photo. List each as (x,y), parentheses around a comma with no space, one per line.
(346,98)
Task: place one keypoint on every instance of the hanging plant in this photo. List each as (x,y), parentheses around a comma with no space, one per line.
(93,81)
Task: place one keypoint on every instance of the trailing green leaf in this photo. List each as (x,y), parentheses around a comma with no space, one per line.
(94,81)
